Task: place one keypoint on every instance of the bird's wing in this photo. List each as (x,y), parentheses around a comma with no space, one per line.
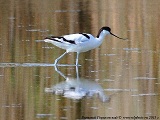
(70,39)
(60,39)
(78,38)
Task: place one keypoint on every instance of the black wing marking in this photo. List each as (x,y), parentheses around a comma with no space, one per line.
(87,36)
(52,37)
(70,41)
(59,37)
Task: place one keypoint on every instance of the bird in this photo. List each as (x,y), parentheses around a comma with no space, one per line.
(79,42)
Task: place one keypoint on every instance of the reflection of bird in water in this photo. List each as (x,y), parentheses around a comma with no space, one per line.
(80,42)
(77,88)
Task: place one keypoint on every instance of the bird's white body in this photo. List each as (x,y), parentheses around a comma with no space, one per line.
(79,42)
(82,43)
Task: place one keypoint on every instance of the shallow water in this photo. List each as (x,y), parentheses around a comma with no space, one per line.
(119,79)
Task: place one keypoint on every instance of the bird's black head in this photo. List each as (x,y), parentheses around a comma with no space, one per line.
(106,28)
(109,30)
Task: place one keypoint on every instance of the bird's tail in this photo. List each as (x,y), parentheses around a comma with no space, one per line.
(48,40)
(45,40)
(39,40)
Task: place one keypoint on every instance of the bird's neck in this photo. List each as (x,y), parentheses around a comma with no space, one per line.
(101,35)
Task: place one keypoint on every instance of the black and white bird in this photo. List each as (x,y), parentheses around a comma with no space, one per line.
(79,42)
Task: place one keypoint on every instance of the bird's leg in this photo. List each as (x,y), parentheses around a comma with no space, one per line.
(56,69)
(56,61)
(77,58)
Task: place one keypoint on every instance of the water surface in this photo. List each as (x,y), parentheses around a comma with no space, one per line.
(127,72)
